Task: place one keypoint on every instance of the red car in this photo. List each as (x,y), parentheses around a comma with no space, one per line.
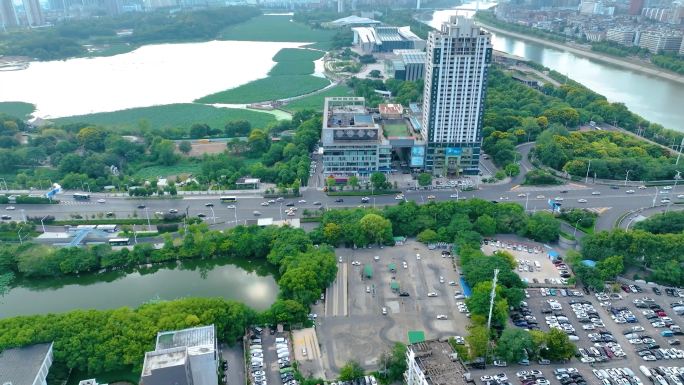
(626,289)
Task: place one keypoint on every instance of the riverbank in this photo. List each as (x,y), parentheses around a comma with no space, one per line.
(589,54)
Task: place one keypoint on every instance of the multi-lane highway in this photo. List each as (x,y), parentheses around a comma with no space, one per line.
(610,202)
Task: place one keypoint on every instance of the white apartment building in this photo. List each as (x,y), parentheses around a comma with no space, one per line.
(28,365)
(624,36)
(456,70)
(658,41)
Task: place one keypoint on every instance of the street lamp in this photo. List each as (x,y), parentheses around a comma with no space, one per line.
(627,176)
(213,215)
(576,224)
(235,211)
(149,225)
(655,197)
(281,213)
(586,179)
(42,224)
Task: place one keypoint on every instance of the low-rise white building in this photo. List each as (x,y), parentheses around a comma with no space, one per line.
(28,365)
(433,363)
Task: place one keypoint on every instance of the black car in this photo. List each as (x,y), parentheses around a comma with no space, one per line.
(339,200)
(141,206)
(289,204)
(6,217)
(615,187)
(208,205)
(201,215)
(657,291)
(404,294)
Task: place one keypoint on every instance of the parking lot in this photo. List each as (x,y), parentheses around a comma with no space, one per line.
(429,281)
(534,265)
(265,346)
(608,317)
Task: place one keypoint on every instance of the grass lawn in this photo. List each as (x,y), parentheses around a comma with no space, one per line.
(395,130)
(108,377)
(183,167)
(315,102)
(275,28)
(270,88)
(17,109)
(292,68)
(171,116)
(297,54)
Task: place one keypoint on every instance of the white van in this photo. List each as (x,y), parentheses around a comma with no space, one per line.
(280,340)
(284,355)
(282,350)
(537,265)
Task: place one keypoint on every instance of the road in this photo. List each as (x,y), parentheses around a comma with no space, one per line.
(611,203)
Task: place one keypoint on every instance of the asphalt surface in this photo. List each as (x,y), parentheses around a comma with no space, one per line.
(611,203)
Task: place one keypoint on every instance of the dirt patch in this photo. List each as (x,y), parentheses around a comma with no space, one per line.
(199,149)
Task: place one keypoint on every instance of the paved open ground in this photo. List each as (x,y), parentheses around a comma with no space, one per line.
(365,333)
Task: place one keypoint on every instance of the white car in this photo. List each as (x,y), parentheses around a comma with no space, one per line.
(667,188)
(540,197)
(432,294)
(582,200)
(441,316)
(453,196)
(595,193)
(405,265)
(522,195)
(399,197)
(441,279)
(629,192)
(680,196)
(10,208)
(558,199)
(642,187)
(418,257)
(665,200)
(377,258)
(230,207)
(301,201)
(265,203)
(101,201)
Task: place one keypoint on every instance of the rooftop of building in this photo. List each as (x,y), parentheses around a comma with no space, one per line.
(202,337)
(396,128)
(353,20)
(435,360)
(164,358)
(377,34)
(347,113)
(411,56)
(20,366)
(391,108)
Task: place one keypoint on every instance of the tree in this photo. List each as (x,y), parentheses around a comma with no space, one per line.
(353,182)
(427,236)
(485,225)
(300,284)
(237,128)
(378,180)
(512,343)
(542,227)
(199,130)
(258,142)
(478,303)
(512,169)
(610,267)
(351,371)
(478,340)
(424,179)
(375,74)
(558,346)
(163,150)
(376,228)
(92,138)
(185,147)
(395,362)
(332,233)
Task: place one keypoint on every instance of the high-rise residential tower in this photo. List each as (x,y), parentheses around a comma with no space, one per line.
(8,16)
(456,70)
(34,13)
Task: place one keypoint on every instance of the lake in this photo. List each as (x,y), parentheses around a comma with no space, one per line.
(251,283)
(150,75)
(654,98)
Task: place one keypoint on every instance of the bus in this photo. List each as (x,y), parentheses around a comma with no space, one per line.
(228,198)
(81,197)
(119,242)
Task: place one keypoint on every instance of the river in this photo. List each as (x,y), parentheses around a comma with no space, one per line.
(654,98)
(250,283)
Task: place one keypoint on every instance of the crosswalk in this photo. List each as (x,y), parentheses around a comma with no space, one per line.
(75,203)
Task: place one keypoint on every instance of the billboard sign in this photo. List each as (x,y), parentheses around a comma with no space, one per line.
(417,156)
(452,151)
